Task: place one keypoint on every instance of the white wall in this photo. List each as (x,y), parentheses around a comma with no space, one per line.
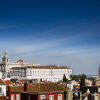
(48,74)
(1,75)
(3,89)
(53,75)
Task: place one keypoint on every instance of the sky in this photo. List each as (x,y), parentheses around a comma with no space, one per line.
(59,32)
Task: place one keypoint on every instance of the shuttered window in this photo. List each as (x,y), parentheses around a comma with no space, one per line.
(12,97)
(43,97)
(17,96)
(59,96)
(51,97)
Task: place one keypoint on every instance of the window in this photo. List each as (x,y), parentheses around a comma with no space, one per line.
(12,97)
(59,96)
(7,60)
(98,89)
(51,97)
(0,90)
(17,96)
(43,97)
(30,73)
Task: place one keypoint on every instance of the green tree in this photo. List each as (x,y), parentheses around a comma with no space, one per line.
(83,76)
(14,80)
(64,78)
(77,77)
(82,82)
(80,78)
(93,81)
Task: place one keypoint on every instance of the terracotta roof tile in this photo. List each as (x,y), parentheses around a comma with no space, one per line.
(1,81)
(85,94)
(20,61)
(2,98)
(40,88)
(42,67)
(8,82)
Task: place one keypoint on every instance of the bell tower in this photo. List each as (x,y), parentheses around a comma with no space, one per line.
(5,59)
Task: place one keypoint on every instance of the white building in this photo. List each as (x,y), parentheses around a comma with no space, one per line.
(0,75)
(5,65)
(88,82)
(48,73)
(2,88)
(71,84)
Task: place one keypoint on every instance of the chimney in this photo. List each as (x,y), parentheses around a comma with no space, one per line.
(25,86)
(9,88)
(88,91)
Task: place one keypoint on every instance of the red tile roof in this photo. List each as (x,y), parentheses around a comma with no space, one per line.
(3,98)
(39,88)
(1,81)
(42,67)
(85,94)
(8,82)
(20,61)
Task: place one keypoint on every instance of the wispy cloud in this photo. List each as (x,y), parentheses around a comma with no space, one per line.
(49,51)
(42,44)
(7,26)
(46,47)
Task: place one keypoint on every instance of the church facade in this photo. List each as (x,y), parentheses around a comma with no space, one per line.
(6,65)
(24,70)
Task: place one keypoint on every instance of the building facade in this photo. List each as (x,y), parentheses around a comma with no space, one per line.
(44,73)
(6,65)
(2,88)
(39,91)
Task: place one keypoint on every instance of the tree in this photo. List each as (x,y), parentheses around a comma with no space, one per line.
(14,80)
(93,81)
(83,76)
(82,82)
(64,78)
(80,78)
(77,77)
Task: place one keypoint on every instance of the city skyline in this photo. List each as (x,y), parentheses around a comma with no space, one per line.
(52,32)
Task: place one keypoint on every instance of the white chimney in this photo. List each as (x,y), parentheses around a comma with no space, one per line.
(88,91)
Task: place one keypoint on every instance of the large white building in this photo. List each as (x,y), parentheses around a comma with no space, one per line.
(6,65)
(23,70)
(48,73)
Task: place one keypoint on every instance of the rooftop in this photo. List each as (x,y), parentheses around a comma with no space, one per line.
(39,88)
(8,82)
(20,61)
(3,98)
(1,82)
(42,67)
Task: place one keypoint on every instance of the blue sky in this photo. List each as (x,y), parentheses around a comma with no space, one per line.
(64,32)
